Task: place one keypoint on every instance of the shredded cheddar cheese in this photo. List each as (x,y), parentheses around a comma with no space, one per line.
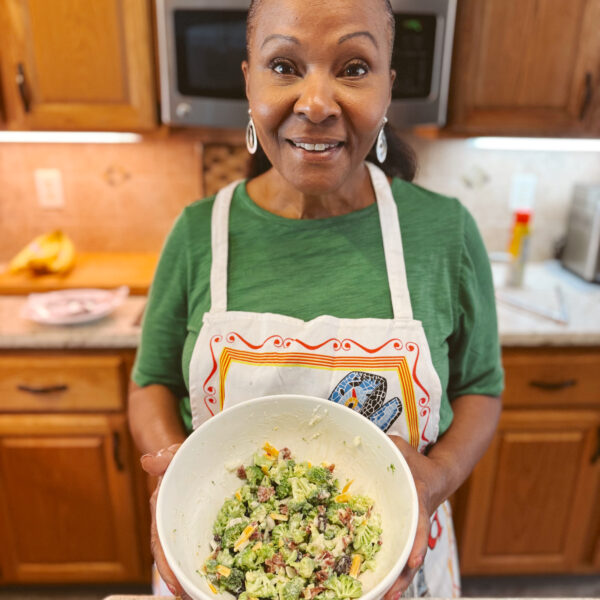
(238,495)
(355,567)
(271,450)
(340,498)
(223,570)
(244,537)
(213,589)
(347,486)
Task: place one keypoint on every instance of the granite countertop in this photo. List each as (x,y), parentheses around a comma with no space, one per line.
(517,326)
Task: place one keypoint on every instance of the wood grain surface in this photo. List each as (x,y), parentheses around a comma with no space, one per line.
(92,270)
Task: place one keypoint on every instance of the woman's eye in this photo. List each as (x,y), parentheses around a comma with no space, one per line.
(355,69)
(283,67)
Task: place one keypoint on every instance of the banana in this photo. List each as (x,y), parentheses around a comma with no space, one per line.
(48,253)
(65,259)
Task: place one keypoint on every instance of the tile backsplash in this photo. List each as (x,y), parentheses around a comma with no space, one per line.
(125,197)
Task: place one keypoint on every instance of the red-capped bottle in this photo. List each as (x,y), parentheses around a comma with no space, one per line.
(518,248)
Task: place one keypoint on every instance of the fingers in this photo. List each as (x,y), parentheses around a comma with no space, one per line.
(156,464)
(157,552)
(415,558)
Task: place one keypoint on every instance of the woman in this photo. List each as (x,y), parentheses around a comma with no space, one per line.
(318,255)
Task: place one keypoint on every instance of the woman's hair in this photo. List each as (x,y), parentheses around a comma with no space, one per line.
(401,160)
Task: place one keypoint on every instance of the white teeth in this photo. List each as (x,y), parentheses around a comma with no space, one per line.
(314,147)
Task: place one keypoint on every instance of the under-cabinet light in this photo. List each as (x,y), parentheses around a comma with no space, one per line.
(69,137)
(541,144)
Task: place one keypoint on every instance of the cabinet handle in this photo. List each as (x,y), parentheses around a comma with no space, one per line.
(553,386)
(116,440)
(587,97)
(22,86)
(596,455)
(47,389)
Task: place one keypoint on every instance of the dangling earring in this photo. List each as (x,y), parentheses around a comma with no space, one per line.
(381,146)
(251,139)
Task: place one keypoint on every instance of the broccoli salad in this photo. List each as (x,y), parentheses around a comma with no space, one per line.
(289,532)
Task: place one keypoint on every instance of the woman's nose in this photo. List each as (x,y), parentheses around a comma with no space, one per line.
(317,100)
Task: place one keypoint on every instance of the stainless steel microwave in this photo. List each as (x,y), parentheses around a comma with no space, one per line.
(202,44)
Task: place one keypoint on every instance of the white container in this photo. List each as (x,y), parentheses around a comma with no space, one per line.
(202,475)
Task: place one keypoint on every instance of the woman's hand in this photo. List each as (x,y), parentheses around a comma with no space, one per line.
(155,464)
(429,479)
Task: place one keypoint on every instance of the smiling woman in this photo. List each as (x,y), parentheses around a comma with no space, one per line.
(325,275)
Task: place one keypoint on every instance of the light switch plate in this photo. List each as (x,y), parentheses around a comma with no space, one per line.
(49,188)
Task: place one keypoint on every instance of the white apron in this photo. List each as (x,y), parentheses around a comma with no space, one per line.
(381,368)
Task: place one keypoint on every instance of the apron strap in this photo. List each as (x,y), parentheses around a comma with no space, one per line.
(219,231)
(392,243)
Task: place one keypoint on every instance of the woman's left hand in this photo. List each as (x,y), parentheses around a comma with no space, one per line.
(429,478)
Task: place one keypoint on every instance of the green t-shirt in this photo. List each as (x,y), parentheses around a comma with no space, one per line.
(334,266)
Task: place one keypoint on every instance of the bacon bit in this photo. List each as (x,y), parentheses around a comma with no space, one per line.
(283,509)
(241,472)
(286,453)
(264,493)
(321,509)
(345,516)
(292,545)
(256,535)
(307,529)
(331,467)
(322,575)
(275,563)
(327,558)
(312,592)
(346,541)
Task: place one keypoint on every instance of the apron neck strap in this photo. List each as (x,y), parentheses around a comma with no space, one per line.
(392,243)
(390,232)
(219,231)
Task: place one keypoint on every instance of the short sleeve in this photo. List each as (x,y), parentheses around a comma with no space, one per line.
(164,326)
(474,347)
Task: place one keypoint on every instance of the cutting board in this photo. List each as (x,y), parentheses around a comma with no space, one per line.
(104,270)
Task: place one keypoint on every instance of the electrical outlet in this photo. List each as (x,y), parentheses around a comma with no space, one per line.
(49,187)
(522,192)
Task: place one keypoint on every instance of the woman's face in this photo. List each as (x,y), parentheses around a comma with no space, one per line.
(318,82)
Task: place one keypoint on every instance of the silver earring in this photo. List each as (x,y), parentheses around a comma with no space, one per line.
(381,146)
(251,139)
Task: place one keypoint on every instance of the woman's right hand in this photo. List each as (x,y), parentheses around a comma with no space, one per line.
(155,464)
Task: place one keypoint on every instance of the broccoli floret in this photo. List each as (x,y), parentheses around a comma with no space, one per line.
(260,460)
(231,509)
(259,585)
(301,488)
(254,475)
(318,475)
(231,534)
(344,586)
(264,552)
(360,504)
(211,566)
(305,567)
(292,589)
(297,529)
(234,582)
(284,488)
(247,559)
(279,532)
(224,558)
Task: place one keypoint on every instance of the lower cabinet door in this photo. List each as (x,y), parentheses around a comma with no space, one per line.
(532,499)
(67,500)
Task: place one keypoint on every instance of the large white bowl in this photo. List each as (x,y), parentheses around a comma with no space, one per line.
(201,476)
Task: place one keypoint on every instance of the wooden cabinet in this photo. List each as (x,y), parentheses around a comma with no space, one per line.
(73,506)
(77,65)
(531,505)
(526,67)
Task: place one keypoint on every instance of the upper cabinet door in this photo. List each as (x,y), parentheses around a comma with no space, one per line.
(526,67)
(77,65)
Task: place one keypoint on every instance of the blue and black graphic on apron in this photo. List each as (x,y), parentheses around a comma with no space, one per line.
(365,393)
